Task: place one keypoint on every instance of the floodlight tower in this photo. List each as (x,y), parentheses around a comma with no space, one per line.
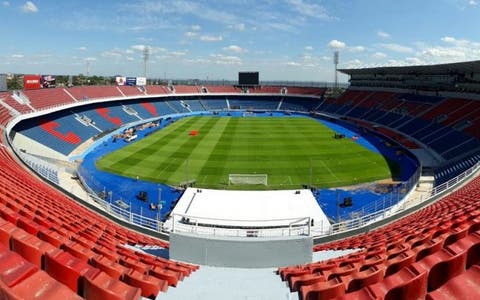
(146,55)
(335,62)
(88,67)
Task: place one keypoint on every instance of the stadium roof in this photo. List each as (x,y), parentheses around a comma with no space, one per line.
(462,67)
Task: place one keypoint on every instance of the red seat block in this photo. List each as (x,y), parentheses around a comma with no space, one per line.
(134,264)
(31,248)
(68,269)
(52,237)
(107,252)
(323,290)
(102,286)
(38,286)
(150,285)
(112,268)
(20,279)
(170,276)
(14,268)
(79,251)
(364,278)
(6,231)
(308,279)
(408,283)
(465,286)
(28,225)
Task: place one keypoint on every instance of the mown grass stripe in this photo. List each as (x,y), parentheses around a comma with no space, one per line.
(283,148)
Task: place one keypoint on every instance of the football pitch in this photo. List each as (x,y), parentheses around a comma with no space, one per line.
(292,151)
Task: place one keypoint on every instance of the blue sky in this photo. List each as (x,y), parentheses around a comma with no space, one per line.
(283,39)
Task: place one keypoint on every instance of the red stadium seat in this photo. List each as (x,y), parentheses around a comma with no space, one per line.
(465,286)
(68,270)
(102,286)
(149,285)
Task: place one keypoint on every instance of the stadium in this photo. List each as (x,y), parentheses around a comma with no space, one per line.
(167,189)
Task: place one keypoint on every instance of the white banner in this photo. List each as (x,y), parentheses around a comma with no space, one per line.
(141,81)
(120,80)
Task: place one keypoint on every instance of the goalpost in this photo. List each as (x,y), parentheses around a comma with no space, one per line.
(247,179)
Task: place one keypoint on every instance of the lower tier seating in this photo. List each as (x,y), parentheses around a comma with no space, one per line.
(424,253)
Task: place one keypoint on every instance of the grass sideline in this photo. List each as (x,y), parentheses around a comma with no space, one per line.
(288,149)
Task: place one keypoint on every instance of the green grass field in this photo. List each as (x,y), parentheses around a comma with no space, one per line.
(287,149)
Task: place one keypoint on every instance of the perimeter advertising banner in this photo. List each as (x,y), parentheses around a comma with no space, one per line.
(120,80)
(32,82)
(141,81)
(48,81)
(132,81)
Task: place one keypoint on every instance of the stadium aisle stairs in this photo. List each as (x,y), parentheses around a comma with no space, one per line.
(232,284)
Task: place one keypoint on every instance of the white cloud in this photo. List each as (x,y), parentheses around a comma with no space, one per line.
(191,34)
(355,63)
(129,58)
(293,64)
(379,55)
(383,34)
(179,53)
(473,2)
(336,44)
(29,7)
(414,61)
(226,60)
(237,27)
(138,47)
(211,38)
(308,48)
(114,53)
(453,50)
(90,59)
(448,39)
(6,3)
(18,56)
(442,52)
(83,48)
(234,49)
(356,49)
(312,10)
(456,42)
(196,27)
(397,48)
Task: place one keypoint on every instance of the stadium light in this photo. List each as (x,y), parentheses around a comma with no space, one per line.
(146,55)
(336,57)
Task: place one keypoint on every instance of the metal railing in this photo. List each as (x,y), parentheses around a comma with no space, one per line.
(403,205)
(239,228)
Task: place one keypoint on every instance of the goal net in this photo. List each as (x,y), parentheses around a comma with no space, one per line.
(247,179)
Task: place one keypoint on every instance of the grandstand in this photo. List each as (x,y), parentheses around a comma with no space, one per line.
(55,245)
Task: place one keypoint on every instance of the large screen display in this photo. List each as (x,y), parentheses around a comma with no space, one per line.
(248,78)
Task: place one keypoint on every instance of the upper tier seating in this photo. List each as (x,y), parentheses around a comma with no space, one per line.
(82,93)
(10,101)
(157,90)
(45,98)
(418,254)
(187,89)
(222,89)
(130,90)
